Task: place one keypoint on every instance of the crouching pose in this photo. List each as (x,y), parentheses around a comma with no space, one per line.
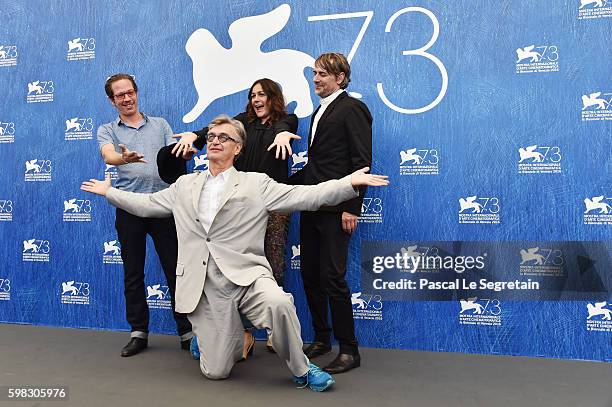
(221,217)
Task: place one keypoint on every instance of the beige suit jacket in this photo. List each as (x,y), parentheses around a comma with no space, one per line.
(235,239)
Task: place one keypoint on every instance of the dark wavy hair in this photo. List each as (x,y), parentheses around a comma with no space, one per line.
(275,98)
(108,86)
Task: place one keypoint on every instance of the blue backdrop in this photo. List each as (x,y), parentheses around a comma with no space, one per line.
(492,119)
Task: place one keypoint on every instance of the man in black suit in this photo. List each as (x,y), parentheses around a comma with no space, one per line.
(340,142)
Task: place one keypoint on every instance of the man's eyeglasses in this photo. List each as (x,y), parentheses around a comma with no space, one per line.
(221,137)
(121,96)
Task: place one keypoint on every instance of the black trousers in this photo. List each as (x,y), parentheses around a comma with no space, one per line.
(323,254)
(132,233)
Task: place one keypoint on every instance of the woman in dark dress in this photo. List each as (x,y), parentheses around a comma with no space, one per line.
(265,119)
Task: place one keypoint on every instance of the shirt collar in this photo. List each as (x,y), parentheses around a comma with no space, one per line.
(145,119)
(327,100)
(222,176)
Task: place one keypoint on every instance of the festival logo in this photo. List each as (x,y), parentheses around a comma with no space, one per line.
(75,292)
(40,92)
(111,172)
(598,211)
(77,210)
(593,9)
(473,209)
(6,210)
(7,132)
(219,72)
(5,289)
(480,311)
(371,211)
(79,129)
(36,250)
(298,160)
(537,59)
(112,253)
(539,160)
(295,257)
(38,170)
(158,296)
(597,106)
(367,306)
(540,261)
(414,161)
(201,162)
(599,317)
(80,49)
(8,55)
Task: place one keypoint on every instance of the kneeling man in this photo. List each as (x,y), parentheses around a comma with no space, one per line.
(222,272)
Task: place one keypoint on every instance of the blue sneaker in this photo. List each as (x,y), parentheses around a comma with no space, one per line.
(194,348)
(316,379)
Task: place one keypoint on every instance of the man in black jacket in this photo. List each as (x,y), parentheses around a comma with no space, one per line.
(340,142)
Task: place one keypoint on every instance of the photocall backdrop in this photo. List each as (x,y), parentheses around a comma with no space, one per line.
(492,120)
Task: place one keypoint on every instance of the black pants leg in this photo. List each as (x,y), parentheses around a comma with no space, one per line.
(132,234)
(163,233)
(324,251)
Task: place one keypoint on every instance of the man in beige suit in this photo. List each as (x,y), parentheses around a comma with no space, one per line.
(222,271)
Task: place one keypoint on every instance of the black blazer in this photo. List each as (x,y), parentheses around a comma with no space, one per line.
(342,145)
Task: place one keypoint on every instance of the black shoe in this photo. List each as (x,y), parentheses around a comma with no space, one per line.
(185,345)
(317,349)
(134,346)
(343,363)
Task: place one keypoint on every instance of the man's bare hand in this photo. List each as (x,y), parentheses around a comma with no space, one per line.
(184,147)
(349,222)
(360,178)
(282,142)
(129,157)
(97,187)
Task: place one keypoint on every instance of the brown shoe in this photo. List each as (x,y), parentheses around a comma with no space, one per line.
(269,345)
(247,347)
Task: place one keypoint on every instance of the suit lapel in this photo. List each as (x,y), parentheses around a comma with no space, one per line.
(325,115)
(196,190)
(311,122)
(230,188)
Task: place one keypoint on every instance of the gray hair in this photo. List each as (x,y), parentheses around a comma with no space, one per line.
(236,124)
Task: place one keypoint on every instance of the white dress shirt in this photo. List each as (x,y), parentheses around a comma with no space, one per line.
(210,197)
(326,101)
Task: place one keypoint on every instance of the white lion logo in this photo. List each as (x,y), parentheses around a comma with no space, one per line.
(295,251)
(30,245)
(532,255)
(529,152)
(361,304)
(70,205)
(73,124)
(32,166)
(409,155)
(471,304)
(201,161)
(69,287)
(596,203)
(593,99)
(299,158)
(75,45)
(598,3)
(470,203)
(218,71)
(527,52)
(598,309)
(111,247)
(155,291)
(3,54)
(34,87)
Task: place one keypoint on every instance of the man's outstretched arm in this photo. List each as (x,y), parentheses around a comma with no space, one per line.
(157,205)
(290,198)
